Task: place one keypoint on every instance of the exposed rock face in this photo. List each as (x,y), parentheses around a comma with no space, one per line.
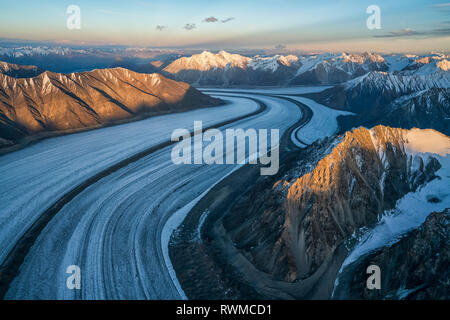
(416,267)
(425,109)
(376,89)
(141,68)
(330,69)
(233,69)
(66,60)
(19,71)
(383,98)
(427,65)
(224,68)
(323,73)
(55,102)
(293,230)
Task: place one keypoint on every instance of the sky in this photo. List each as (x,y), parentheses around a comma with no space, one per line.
(322,25)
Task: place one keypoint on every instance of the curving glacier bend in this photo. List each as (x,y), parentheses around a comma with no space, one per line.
(113,229)
(39,174)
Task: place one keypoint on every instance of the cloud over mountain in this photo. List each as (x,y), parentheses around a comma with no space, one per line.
(211,19)
(190,26)
(399,33)
(227,20)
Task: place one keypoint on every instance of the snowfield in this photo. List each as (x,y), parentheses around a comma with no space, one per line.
(323,123)
(39,174)
(117,230)
(281,91)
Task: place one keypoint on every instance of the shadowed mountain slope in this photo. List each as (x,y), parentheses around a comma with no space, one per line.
(58,102)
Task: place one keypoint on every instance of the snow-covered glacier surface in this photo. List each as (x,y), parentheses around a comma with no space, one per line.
(31,179)
(117,230)
(281,91)
(323,122)
(114,229)
(324,119)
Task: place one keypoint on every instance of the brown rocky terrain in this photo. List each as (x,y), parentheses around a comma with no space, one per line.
(225,69)
(406,101)
(416,267)
(287,236)
(347,189)
(19,71)
(340,69)
(54,102)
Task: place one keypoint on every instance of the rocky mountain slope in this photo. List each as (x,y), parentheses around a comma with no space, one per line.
(293,229)
(427,65)
(75,59)
(59,102)
(414,100)
(415,267)
(224,68)
(19,71)
(337,68)
(424,109)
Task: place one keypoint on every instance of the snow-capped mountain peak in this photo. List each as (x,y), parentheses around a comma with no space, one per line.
(272,63)
(444,65)
(206,61)
(400,84)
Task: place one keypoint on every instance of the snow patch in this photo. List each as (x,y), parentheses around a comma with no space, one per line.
(323,122)
(427,141)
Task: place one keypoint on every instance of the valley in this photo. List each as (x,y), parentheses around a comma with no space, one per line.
(224,159)
(287,236)
(92,183)
(144,273)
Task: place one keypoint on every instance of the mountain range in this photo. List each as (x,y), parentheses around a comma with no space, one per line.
(19,71)
(55,102)
(225,69)
(296,229)
(395,99)
(414,268)
(396,90)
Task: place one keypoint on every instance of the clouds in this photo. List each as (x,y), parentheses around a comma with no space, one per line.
(214,20)
(280,47)
(408,32)
(442,8)
(441,32)
(399,33)
(211,20)
(442,5)
(227,20)
(190,26)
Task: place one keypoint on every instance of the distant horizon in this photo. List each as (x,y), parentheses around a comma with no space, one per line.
(18,43)
(405,26)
